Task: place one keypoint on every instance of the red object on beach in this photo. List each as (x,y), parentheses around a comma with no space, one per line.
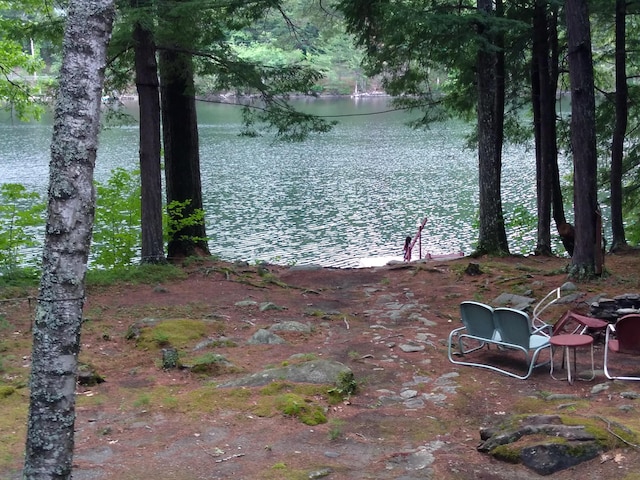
(408,248)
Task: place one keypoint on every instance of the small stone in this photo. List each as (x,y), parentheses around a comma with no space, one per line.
(323,472)
(630,395)
(246,303)
(264,337)
(406,394)
(269,306)
(561,396)
(414,403)
(602,387)
(411,348)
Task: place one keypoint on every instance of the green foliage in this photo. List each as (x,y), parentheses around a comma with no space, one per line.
(116,234)
(294,405)
(31,24)
(180,333)
(209,363)
(181,217)
(520,222)
(346,386)
(335,428)
(19,210)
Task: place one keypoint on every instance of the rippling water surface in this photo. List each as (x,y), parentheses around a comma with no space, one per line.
(355,192)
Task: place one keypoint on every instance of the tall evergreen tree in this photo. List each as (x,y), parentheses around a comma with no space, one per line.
(148,88)
(586,261)
(544,60)
(490,84)
(618,240)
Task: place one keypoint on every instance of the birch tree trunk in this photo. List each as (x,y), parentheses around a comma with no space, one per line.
(56,333)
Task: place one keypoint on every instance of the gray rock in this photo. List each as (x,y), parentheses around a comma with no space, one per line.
(246,303)
(409,348)
(510,299)
(561,396)
(406,394)
(545,455)
(549,458)
(264,306)
(290,326)
(323,472)
(630,395)
(265,337)
(601,387)
(314,371)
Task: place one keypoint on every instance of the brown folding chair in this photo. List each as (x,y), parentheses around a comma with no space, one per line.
(572,322)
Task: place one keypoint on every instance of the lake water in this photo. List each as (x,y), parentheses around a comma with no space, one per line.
(355,192)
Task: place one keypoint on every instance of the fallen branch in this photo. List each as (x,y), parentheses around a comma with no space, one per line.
(609,423)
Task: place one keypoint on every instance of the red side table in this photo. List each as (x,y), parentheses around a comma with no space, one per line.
(571,341)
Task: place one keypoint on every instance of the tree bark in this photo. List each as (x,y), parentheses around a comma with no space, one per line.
(150,146)
(618,240)
(545,58)
(56,332)
(583,140)
(539,83)
(181,152)
(492,235)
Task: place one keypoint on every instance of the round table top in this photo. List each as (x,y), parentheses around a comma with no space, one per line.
(571,340)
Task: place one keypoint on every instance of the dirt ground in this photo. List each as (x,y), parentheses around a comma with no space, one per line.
(414,415)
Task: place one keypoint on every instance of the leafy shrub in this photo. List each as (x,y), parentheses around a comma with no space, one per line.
(116,233)
(19,210)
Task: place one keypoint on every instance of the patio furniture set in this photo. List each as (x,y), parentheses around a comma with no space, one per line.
(513,332)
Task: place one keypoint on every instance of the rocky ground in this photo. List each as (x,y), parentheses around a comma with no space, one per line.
(414,415)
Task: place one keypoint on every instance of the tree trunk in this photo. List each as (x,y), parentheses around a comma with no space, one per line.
(56,332)
(545,57)
(557,201)
(617,145)
(539,82)
(150,147)
(583,140)
(492,235)
(181,153)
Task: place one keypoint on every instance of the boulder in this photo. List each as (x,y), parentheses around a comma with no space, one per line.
(543,443)
(314,371)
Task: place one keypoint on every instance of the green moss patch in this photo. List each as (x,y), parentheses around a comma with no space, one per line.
(178,333)
(302,408)
(13,425)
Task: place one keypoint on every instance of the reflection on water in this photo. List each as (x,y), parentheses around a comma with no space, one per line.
(355,192)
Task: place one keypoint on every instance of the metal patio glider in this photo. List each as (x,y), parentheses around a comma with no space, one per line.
(508,329)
